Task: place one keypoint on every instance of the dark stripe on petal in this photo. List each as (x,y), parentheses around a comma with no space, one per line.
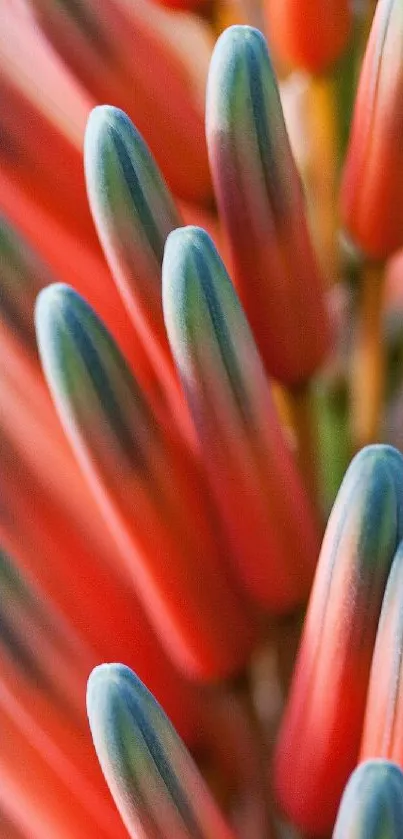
(258,62)
(103,387)
(137,195)
(219,319)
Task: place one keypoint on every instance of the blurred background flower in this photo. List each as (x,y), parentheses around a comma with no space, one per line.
(201,200)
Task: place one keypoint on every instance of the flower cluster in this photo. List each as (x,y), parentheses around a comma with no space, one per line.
(201,340)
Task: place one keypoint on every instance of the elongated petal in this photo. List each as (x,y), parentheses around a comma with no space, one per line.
(22,277)
(372,804)
(133,213)
(38,642)
(261,203)
(309,34)
(383,729)
(76,262)
(42,123)
(155,784)
(148,487)
(372,188)
(110,51)
(270,526)
(325,710)
(83,578)
(44,664)
(39,800)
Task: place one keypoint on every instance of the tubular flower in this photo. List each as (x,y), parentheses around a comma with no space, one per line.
(372,804)
(262,208)
(134,213)
(306,34)
(37,138)
(153,779)
(325,710)
(383,729)
(99,45)
(44,667)
(273,536)
(372,188)
(147,486)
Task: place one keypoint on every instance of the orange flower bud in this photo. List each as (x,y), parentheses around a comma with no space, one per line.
(372,188)
(326,707)
(310,34)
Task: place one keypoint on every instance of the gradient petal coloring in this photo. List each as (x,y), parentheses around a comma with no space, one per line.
(270,526)
(155,784)
(309,34)
(130,54)
(149,488)
(133,212)
(261,204)
(372,803)
(372,187)
(383,728)
(325,710)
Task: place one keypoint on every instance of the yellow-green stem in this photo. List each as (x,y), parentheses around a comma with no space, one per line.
(324,152)
(301,406)
(368,360)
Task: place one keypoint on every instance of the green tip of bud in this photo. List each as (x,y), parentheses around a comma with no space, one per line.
(127,193)
(372,804)
(149,771)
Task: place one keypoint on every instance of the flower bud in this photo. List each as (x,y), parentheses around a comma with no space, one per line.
(325,711)
(261,203)
(372,803)
(309,34)
(148,487)
(133,54)
(269,523)
(156,786)
(133,213)
(372,187)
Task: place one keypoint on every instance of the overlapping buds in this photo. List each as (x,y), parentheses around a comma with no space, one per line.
(269,521)
(99,45)
(325,710)
(133,213)
(148,486)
